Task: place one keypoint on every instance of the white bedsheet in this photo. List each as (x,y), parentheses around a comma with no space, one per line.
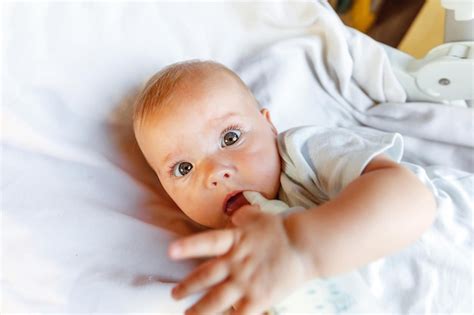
(85,225)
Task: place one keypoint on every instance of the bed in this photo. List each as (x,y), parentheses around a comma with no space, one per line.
(85,223)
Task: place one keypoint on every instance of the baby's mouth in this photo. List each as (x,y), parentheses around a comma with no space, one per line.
(234,202)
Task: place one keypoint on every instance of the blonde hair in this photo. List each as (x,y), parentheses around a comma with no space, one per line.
(160,88)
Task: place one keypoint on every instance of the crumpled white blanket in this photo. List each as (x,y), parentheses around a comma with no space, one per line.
(337,76)
(340,77)
(85,225)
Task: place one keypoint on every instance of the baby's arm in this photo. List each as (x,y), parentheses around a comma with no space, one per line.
(379,213)
(266,256)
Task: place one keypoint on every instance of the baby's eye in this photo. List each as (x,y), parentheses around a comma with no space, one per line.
(181,169)
(230,137)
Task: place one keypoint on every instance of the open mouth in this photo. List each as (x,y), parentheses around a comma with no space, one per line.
(234,202)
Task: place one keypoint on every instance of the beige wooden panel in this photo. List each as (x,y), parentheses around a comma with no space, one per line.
(426,31)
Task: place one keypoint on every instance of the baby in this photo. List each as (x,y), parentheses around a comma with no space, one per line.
(201,130)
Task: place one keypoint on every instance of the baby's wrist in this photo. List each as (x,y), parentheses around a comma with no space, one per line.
(302,243)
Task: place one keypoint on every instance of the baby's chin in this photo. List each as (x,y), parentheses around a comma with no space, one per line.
(213,223)
(220,225)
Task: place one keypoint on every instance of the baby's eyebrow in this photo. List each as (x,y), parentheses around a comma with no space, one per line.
(225,117)
(167,158)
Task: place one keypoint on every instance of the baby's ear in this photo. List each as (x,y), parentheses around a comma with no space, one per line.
(266,113)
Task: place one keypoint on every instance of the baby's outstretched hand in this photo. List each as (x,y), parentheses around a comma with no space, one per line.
(255,265)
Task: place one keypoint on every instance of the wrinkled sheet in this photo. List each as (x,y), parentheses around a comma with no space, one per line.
(85,224)
(339,77)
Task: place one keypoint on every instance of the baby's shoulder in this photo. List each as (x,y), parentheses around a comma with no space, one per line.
(315,133)
(312,141)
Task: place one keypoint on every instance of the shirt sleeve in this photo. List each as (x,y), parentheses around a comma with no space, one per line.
(326,160)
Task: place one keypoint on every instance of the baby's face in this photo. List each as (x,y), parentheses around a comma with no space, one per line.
(210,143)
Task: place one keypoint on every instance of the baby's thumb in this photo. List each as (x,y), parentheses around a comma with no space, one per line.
(246,214)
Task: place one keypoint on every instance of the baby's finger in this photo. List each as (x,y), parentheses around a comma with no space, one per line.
(206,275)
(206,244)
(245,215)
(247,306)
(218,300)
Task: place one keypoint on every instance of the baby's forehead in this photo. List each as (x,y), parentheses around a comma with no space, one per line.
(205,81)
(215,93)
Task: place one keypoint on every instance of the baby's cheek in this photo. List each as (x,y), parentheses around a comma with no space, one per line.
(262,166)
(186,201)
(199,207)
(178,194)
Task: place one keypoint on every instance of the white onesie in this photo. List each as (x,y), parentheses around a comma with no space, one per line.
(319,162)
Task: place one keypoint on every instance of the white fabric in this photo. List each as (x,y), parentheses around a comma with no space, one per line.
(340,77)
(319,162)
(266,205)
(85,225)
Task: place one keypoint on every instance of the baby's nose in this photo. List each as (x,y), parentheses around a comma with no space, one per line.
(218,176)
